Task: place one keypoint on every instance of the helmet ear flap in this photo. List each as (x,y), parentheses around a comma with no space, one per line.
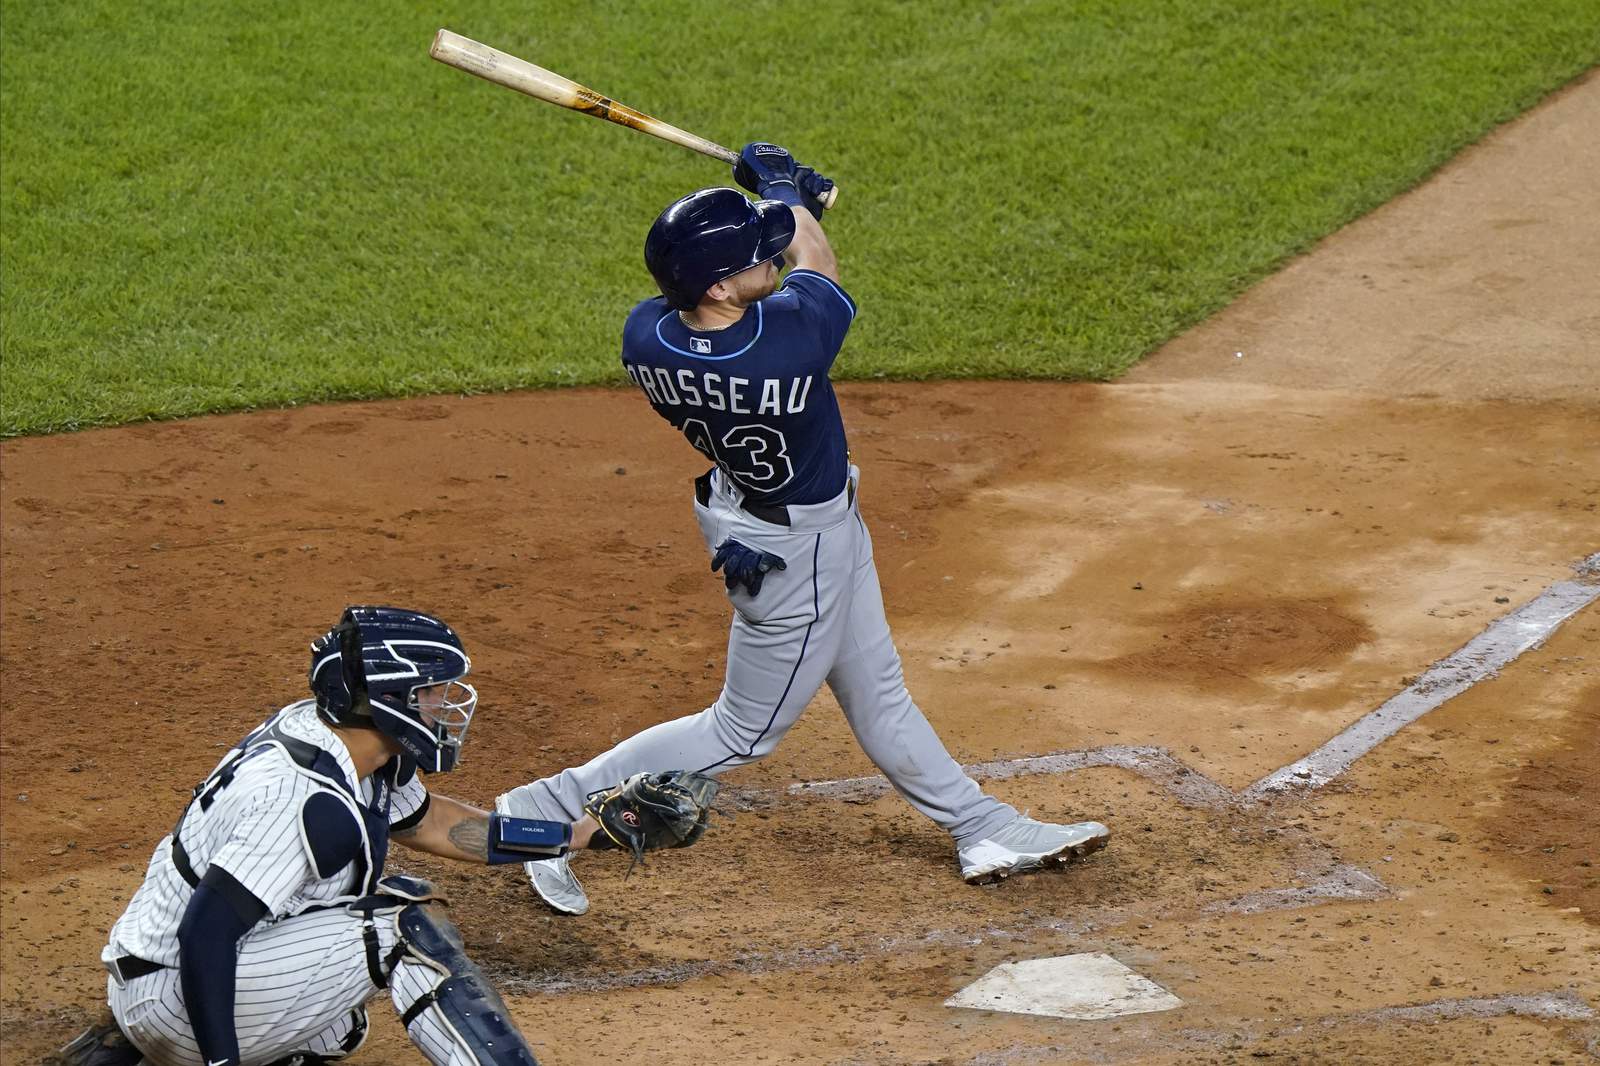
(348,632)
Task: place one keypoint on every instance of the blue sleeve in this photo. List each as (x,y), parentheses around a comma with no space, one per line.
(219,913)
(825,308)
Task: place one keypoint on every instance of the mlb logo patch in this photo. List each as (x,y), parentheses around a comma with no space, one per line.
(702,345)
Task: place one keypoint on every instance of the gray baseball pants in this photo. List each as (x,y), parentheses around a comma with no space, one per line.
(820,620)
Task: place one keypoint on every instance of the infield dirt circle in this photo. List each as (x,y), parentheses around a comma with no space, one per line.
(1194,576)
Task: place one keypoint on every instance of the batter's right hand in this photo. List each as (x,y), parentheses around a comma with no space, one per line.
(813,187)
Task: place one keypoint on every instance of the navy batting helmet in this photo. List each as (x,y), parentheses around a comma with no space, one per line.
(710,235)
(400,672)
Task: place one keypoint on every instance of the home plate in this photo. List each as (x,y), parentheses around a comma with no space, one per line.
(1069,986)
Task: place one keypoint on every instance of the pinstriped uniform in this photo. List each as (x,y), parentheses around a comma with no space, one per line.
(253,831)
(302,974)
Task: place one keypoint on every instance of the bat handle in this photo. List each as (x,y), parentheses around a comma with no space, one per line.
(728,155)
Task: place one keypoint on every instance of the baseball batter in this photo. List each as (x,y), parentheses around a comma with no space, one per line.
(265,921)
(740,367)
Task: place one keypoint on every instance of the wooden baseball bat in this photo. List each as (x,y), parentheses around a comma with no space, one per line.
(463,53)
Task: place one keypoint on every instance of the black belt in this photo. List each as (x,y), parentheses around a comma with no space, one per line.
(132,966)
(777,514)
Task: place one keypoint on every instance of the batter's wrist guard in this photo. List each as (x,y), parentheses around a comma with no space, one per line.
(525,839)
(784,191)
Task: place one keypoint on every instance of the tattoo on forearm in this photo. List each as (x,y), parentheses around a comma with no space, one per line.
(471,835)
(406,833)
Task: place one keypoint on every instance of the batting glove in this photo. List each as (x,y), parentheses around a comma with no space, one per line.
(743,565)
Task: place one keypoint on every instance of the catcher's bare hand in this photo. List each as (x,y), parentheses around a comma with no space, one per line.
(652,810)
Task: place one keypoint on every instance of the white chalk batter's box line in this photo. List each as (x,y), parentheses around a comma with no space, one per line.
(1482,657)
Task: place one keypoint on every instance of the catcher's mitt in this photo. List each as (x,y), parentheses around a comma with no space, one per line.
(649,811)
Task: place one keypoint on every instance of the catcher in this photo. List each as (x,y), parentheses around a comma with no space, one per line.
(265,921)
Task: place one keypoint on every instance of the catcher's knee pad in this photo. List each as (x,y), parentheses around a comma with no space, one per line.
(352,1040)
(332,1044)
(360,1025)
(463,1002)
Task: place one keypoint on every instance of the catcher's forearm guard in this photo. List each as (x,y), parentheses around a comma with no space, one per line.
(522,839)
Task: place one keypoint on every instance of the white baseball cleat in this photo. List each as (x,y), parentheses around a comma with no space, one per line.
(552,879)
(1025,844)
(557,885)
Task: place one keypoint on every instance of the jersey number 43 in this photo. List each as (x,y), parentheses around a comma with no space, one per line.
(755,456)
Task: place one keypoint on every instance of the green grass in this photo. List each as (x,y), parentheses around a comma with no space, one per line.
(208,205)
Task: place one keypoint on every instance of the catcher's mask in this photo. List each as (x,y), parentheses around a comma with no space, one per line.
(400,672)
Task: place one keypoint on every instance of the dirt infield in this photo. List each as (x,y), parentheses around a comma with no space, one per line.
(1177,585)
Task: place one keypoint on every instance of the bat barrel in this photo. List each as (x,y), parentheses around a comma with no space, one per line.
(490,64)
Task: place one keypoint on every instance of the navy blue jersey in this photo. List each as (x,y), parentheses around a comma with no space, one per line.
(754,398)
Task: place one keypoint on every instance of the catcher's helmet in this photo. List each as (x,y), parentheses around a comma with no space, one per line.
(399,672)
(710,235)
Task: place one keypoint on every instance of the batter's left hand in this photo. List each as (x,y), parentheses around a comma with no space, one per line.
(767,170)
(743,565)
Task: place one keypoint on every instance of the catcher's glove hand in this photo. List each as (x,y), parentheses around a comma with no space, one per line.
(649,811)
